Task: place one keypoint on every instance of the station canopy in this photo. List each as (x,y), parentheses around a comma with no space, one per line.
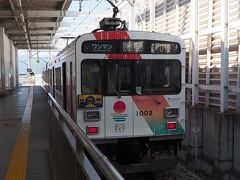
(49,24)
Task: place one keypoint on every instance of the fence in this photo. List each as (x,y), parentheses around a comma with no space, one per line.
(73,155)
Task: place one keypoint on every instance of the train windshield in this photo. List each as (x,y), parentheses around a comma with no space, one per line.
(91,77)
(119,78)
(158,77)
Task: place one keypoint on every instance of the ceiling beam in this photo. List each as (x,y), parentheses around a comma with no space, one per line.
(33,42)
(39,35)
(34,46)
(48,24)
(11,24)
(6,14)
(20,31)
(32,38)
(62,14)
(50,14)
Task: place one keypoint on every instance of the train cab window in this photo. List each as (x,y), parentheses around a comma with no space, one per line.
(119,77)
(91,77)
(158,77)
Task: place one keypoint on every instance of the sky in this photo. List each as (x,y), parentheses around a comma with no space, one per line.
(90,13)
(43,56)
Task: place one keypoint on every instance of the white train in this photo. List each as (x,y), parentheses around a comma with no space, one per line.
(126,91)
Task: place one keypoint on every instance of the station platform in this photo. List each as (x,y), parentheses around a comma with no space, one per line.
(24,145)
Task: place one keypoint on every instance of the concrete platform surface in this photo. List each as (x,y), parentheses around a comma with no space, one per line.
(24,129)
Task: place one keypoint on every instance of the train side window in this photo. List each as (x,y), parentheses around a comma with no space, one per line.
(50,77)
(91,77)
(58,78)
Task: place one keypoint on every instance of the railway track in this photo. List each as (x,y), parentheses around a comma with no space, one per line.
(178,173)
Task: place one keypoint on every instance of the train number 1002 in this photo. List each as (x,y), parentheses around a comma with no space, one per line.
(144,113)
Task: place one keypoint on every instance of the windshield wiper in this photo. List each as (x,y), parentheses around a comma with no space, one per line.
(117,93)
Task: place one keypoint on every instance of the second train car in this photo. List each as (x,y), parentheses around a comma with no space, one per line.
(126,91)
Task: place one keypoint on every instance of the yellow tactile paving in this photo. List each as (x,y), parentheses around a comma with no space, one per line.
(18,163)
(24,130)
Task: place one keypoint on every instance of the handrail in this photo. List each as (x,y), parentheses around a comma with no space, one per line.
(106,167)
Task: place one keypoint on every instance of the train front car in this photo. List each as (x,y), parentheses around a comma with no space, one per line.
(131,96)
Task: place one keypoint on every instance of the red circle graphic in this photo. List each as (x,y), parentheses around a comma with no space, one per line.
(119,107)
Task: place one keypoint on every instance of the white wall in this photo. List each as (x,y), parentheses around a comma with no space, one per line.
(2,72)
(14,64)
(6,55)
(8,65)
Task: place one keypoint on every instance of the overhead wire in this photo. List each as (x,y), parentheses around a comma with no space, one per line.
(130,3)
(87,15)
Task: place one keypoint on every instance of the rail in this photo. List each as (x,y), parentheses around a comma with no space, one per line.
(82,147)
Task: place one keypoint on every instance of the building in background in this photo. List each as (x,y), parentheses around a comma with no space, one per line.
(211,30)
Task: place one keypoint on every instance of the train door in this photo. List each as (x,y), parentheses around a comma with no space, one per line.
(69,92)
(64,85)
(53,79)
(118,103)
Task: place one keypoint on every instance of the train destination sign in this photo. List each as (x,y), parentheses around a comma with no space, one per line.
(131,47)
(98,46)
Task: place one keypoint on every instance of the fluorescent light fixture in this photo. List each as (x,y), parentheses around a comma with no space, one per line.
(19,3)
(22,17)
(24,28)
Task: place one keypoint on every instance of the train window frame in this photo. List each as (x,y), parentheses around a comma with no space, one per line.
(133,84)
(92,61)
(165,89)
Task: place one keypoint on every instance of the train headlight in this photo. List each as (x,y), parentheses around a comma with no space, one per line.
(92,115)
(171,112)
